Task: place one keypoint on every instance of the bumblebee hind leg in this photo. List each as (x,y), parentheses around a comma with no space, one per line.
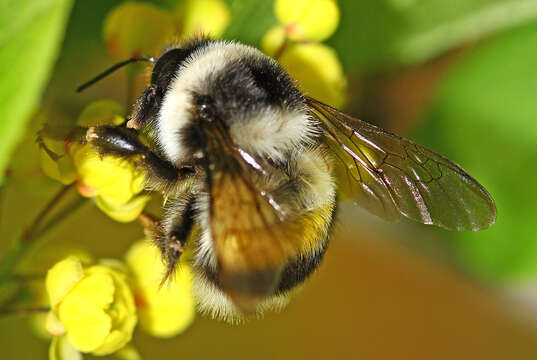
(170,235)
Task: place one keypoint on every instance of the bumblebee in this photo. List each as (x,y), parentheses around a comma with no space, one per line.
(252,168)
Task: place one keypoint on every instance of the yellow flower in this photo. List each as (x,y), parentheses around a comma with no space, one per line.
(317,70)
(55,160)
(101,112)
(209,17)
(315,66)
(141,29)
(94,307)
(38,261)
(115,183)
(313,20)
(115,179)
(164,311)
(137,29)
(273,41)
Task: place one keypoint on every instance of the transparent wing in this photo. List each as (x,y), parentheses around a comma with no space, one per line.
(392,176)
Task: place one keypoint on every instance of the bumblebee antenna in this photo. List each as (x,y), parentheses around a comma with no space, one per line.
(112,69)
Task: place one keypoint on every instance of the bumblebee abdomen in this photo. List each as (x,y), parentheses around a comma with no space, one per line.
(265,263)
(253,296)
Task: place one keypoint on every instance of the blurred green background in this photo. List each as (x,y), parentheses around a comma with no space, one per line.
(458,76)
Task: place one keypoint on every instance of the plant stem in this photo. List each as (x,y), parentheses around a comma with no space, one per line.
(60,216)
(23,311)
(281,49)
(28,234)
(26,278)
(26,241)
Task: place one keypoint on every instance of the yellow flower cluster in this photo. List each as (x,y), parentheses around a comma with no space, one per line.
(295,43)
(115,184)
(134,29)
(95,309)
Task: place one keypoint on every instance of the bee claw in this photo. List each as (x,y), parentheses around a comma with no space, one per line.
(132,124)
(91,134)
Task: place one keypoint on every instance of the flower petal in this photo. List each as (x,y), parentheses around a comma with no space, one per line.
(171,310)
(62,277)
(128,352)
(123,313)
(123,212)
(137,29)
(97,288)
(145,262)
(273,40)
(55,161)
(101,112)
(209,17)
(112,177)
(313,20)
(82,311)
(61,349)
(164,312)
(317,69)
(53,326)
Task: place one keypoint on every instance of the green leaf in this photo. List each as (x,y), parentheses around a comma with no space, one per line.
(378,34)
(484,118)
(30,35)
(250,20)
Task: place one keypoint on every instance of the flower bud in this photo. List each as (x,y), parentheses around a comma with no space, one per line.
(209,17)
(137,29)
(273,40)
(313,20)
(317,70)
(101,112)
(55,160)
(167,311)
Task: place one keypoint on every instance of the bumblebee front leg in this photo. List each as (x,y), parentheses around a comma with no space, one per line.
(124,142)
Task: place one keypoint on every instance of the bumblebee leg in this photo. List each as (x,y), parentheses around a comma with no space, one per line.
(123,142)
(170,234)
(152,226)
(176,228)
